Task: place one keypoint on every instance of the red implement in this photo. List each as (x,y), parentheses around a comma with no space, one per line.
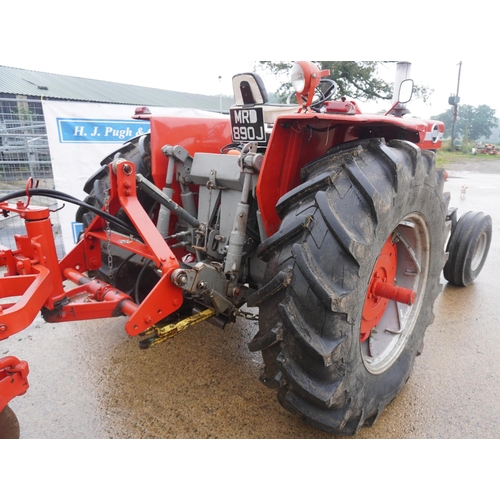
(13,379)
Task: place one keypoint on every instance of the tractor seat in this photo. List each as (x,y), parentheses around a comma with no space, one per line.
(249,91)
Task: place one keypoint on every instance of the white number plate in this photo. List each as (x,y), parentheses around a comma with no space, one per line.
(247,124)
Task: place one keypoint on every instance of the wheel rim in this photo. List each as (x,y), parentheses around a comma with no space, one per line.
(477,257)
(389,317)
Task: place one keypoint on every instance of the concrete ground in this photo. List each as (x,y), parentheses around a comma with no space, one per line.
(90,380)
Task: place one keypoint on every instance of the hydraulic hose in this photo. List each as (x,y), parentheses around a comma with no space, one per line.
(58,195)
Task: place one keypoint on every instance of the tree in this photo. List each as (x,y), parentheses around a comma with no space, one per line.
(356,79)
(447,119)
(472,123)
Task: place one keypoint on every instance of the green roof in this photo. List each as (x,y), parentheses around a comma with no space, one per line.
(51,86)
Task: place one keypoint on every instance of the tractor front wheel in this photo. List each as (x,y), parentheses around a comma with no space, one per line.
(468,248)
(353,274)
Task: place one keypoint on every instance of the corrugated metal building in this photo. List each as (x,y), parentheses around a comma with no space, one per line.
(36,84)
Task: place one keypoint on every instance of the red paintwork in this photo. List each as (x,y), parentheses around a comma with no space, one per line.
(13,379)
(207,135)
(382,289)
(393,292)
(165,297)
(312,77)
(33,290)
(34,273)
(32,270)
(301,138)
(384,272)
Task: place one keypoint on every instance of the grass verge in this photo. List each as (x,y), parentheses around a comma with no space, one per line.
(444,157)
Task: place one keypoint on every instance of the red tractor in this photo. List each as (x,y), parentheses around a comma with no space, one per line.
(332,222)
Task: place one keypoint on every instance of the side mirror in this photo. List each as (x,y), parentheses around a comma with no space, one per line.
(404,95)
(405,91)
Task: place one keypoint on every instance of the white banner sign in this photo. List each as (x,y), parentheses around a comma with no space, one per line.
(80,136)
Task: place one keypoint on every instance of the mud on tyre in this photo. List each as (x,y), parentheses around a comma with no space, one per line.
(338,353)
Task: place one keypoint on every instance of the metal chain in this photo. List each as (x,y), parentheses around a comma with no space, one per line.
(247,315)
(108,233)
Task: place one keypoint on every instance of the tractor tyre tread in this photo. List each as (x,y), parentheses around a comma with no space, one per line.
(309,329)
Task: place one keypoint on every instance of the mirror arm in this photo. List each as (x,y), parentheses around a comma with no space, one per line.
(392,108)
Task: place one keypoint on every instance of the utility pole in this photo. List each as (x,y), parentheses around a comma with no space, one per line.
(220,94)
(454,100)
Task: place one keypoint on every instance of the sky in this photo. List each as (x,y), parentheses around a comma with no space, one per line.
(198,47)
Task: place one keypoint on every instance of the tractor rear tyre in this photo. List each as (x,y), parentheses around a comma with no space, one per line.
(468,248)
(336,345)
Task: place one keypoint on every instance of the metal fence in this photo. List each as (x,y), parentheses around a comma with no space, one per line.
(24,153)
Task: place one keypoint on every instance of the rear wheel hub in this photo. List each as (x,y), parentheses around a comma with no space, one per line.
(395,293)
